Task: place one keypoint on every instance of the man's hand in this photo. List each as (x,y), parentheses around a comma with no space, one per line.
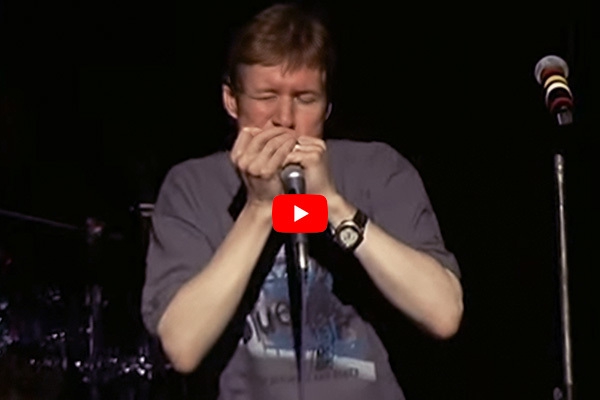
(311,154)
(259,155)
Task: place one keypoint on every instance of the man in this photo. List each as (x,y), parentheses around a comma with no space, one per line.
(217,282)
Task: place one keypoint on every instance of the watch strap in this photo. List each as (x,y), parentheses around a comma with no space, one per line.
(360,219)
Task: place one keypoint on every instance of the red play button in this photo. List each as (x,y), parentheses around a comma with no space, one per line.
(299,213)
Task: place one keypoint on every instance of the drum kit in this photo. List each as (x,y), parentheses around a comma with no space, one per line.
(71,335)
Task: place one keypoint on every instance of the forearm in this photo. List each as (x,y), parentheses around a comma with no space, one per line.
(412,281)
(202,308)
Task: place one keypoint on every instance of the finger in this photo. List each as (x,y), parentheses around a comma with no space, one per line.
(265,143)
(277,147)
(308,148)
(295,157)
(253,130)
(307,140)
(260,139)
(267,134)
(277,159)
(244,137)
(304,155)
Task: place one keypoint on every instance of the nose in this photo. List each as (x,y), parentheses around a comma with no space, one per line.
(284,114)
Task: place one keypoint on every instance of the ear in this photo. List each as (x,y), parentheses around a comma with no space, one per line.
(229,101)
(328,111)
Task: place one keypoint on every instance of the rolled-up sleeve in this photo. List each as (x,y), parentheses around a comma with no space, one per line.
(178,245)
(402,207)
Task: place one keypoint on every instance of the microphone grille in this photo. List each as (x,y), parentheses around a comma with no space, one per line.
(291,171)
(551,61)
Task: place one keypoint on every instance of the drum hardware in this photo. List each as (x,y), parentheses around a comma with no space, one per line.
(96,365)
(7,339)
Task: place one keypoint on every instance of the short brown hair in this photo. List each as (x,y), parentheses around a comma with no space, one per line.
(282,34)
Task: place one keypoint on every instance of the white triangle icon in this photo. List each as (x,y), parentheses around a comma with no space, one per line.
(299,213)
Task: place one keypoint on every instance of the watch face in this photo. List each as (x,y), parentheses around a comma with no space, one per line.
(348,236)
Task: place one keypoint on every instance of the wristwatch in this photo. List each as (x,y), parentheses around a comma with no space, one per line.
(350,232)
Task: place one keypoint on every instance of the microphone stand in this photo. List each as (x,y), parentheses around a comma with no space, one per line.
(564,117)
(299,244)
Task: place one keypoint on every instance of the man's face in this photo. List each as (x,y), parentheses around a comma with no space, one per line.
(269,97)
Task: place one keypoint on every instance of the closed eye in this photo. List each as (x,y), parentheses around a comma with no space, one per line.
(307,99)
(264,98)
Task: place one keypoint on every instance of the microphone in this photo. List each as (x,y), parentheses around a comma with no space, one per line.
(292,176)
(552,72)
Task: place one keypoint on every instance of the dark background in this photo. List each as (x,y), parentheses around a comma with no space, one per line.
(99,98)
